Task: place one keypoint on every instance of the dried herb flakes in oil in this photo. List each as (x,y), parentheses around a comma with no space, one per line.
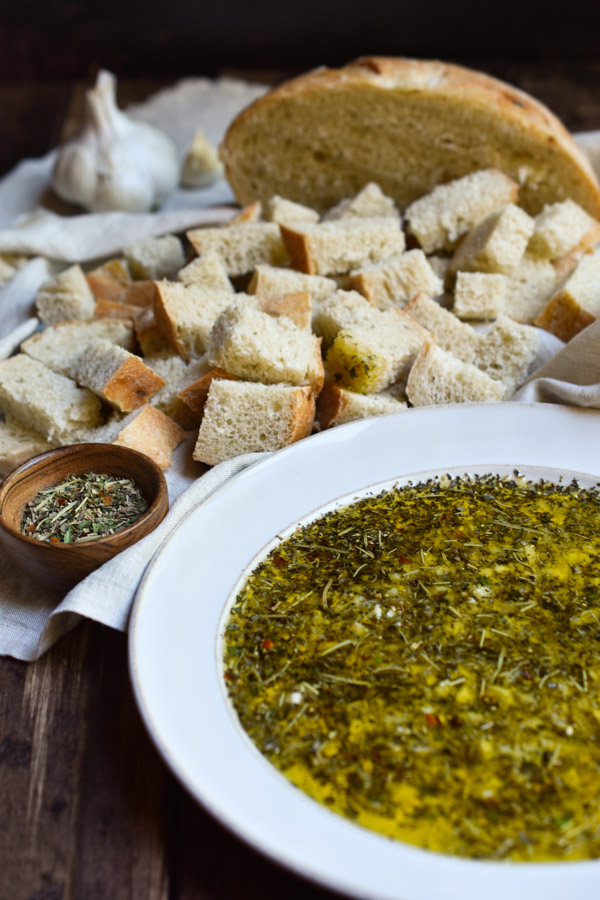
(426,662)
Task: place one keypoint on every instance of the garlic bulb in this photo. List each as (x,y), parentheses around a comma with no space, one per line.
(115,163)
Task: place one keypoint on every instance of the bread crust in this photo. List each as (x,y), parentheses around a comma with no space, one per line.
(515,117)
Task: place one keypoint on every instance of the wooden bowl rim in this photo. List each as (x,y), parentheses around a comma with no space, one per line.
(71,450)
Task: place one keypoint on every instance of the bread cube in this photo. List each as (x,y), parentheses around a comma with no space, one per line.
(250,213)
(437,377)
(458,338)
(336,405)
(440,218)
(330,248)
(112,309)
(108,281)
(51,404)
(529,287)
(369,358)
(394,282)
(577,303)
(563,227)
(65,298)
(155,258)
(343,310)
(479,295)
(206,271)
(269,281)
(244,417)
(153,433)
(370,201)
(18,443)
(287,212)
(60,347)
(119,377)
(257,347)
(186,314)
(495,245)
(192,398)
(507,352)
(296,306)
(242,247)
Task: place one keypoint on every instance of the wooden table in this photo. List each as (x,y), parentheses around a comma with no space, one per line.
(88,810)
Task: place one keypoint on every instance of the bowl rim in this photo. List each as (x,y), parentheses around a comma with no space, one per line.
(73,449)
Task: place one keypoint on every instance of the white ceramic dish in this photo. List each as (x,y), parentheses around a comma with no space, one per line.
(175,640)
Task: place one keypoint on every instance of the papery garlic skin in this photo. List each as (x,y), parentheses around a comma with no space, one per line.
(115,163)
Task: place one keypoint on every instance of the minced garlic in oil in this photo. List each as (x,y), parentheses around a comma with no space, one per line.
(426,662)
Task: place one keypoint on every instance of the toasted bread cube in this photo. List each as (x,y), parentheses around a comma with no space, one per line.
(577,304)
(479,295)
(450,333)
(61,346)
(112,309)
(178,375)
(440,218)
(370,201)
(242,247)
(495,245)
(529,287)
(561,228)
(287,212)
(251,213)
(155,258)
(396,281)
(149,334)
(206,271)
(138,293)
(331,248)
(296,306)
(245,417)
(257,347)
(108,281)
(65,298)
(51,404)
(336,405)
(507,352)
(192,398)
(437,377)
(18,443)
(369,358)
(269,281)
(119,377)
(153,433)
(186,314)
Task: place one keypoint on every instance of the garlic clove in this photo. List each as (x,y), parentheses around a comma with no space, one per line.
(115,163)
(202,166)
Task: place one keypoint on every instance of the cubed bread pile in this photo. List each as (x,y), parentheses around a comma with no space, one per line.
(287,320)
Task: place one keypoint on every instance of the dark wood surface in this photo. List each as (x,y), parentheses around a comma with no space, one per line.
(88,810)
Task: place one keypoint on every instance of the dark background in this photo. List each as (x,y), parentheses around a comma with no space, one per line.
(71,38)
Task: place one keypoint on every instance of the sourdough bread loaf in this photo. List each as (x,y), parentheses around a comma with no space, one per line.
(406,124)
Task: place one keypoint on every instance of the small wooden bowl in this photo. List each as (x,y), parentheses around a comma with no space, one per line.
(57,565)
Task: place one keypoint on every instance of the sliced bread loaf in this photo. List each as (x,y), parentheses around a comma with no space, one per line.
(312,138)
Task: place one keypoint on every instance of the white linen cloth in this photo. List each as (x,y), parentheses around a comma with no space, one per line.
(32,618)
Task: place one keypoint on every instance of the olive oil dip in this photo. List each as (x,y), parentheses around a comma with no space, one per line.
(426,662)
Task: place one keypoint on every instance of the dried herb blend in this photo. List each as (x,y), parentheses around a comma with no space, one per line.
(427,663)
(83,508)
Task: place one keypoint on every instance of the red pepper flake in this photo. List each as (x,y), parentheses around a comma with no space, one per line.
(54,540)
(279,561)
(403,559)
(267,644)
(432,720)
(229,676)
